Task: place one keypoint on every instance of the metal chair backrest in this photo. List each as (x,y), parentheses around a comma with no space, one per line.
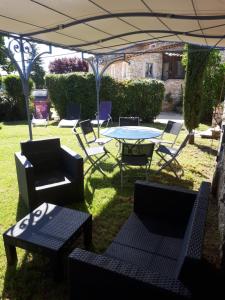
(172,128)
(137,153)
(80,142)
(73,111)
(88,131)
(129,121)
(105,109)
(182,145)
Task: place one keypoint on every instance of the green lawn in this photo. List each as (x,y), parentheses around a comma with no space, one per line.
(109,205)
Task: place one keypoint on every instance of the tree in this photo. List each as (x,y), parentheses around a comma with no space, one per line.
(213,86)
(5,63)
(68,65)
(197,59)
(38,73)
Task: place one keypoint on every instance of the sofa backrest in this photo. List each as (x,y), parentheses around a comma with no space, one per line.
(191,253)
(158,200)
(43,154)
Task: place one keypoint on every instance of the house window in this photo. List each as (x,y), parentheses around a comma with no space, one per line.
(149,70)
(172,67)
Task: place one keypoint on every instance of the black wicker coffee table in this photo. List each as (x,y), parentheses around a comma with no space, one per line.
(50,230)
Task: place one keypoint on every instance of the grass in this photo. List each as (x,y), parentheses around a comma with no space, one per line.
(104,199)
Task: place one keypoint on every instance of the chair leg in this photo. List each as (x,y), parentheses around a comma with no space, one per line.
(146,173)
(121,177)
(148,169)
(94,165)
(167,163)
(122,169)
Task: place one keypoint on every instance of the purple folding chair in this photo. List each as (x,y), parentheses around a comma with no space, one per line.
(105,109)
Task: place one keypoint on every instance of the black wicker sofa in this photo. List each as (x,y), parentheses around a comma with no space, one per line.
(156,253)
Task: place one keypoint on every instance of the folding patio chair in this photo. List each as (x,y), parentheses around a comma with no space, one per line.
(129,121)
(105,109)
(92,154)
(169,155)
(72,116)
(172,129)
(89,133)
(136,155)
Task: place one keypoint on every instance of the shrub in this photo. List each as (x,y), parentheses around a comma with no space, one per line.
(210,91)
(213,86)
(128,97)
(68,65)
(143,98)
(7,109)
(14,94)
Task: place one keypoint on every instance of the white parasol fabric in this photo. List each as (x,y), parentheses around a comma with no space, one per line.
(103,26)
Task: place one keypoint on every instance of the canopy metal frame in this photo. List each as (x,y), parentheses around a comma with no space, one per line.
(24,46)
(95,65)
(28,57)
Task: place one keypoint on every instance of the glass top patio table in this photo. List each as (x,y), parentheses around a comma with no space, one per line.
(131,132)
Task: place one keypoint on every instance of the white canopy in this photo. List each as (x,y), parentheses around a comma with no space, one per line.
(103,26)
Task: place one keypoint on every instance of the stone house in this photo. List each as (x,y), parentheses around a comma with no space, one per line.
(162,61)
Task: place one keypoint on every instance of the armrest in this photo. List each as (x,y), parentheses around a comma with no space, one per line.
(92,275)
(23,161)
(25,177)
(162,200)
(72,162)
(189,263)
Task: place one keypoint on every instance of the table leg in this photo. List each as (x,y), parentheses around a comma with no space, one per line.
(88,234)
(57,264)
(10,253)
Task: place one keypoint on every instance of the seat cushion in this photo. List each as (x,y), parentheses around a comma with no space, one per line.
(142,259)
(154,244)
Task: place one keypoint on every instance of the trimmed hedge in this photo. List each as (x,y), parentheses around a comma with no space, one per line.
(13,105)
(141,97)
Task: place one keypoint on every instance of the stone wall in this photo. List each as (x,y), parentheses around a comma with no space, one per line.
(174,87)
(136,67)
(218,189)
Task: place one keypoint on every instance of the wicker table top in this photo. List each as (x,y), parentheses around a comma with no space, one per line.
(49,226)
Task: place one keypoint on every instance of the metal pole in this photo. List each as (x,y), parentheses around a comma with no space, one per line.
(98,77)
(25,84)
(97,82)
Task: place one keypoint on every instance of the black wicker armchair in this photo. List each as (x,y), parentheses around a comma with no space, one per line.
(156,253)
(48,172)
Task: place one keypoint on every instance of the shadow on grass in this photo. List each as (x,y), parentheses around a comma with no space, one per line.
(32,277)
(206,149)
(15,123)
